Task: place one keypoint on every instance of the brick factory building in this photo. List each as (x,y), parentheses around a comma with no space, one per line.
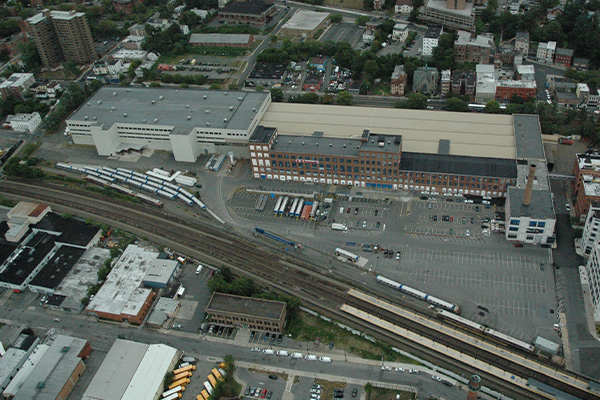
(248,12)
(251,313)
(221,40)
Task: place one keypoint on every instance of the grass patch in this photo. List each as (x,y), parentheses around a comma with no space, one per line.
(7,203)
(307,327)
(390,394)
(328,387)
(266,372)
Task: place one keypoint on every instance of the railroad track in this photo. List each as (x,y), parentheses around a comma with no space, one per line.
(298,279)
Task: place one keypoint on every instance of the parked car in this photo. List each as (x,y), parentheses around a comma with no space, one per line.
(354,392)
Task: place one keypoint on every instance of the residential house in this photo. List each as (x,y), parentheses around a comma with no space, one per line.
(545,52)
(404,7)
(398,81)
(470,47)
(552,13)
(563,57)
(445,82)
(431,39)
(400,33)
(581,64)
(522,43)
(464,83)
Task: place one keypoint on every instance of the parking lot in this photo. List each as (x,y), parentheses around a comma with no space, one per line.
(445,248)
(347,32)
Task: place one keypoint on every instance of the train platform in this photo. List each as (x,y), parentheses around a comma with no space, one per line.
(453,332)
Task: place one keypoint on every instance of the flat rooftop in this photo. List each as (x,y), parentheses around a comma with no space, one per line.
(85,273)
(465,38)
(441,5)
(116,371)
(72,231)
(317,144)
(161,270)
(57,267)
(218,38)
(469,134)
(528,136)
(30,254)
(109,104)
(442,163)
(305,20)
(257,308)
(248,7)
(120,293)
(539,208)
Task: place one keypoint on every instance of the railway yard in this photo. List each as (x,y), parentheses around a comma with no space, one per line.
(414,324)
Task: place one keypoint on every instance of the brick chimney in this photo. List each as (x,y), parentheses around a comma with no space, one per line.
(529,186)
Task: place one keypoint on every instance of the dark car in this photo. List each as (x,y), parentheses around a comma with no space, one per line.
(447,383)
(356,211)
(247,391)
(348,210)
(435,218)
(274,377)
(338,395)
(354,392)
(376,212)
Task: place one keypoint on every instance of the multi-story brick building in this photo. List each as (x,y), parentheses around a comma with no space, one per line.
(586,187)
(62,35)
(506,89)
(469,155)
(247,312)
(474,48)
(563,57)
(249,12)
(125,6)
(398,81)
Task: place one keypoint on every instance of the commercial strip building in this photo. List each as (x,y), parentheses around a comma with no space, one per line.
(15,357)
(221,40)
(185,122)
(121,297)
(62,35)
(24,122)
(247,12)
(57,371)
(248,312)
(305,24)
(132,371)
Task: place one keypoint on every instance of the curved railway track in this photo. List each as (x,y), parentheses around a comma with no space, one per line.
(279,272)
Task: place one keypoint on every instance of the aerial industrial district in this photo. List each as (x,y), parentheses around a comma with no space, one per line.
(249,199)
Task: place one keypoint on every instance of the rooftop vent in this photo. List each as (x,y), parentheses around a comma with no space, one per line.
(205,97)
(316,143)
(207,123)
(144,120)
(155,120)
(127,90)
(230,108)
(99,101)
(189,117)
(344,146)
(226,93)
(114,93)
(330,144)
(95,118)
(187,106)
(224,119)
(240,99)
(85,118)
(207,111)
(302,143)
(89,104)
(125,115)
(161,97)
(113,108)
(153,101)
(254,110)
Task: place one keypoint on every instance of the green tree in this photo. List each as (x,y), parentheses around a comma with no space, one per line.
(277,95)
(456,104)
(344,98)
(226,274)
(368,388)
(336,18)
(327,99)
(361,20)
(229,364)
(416,101)
(215,86)
(492,107)
(30,56)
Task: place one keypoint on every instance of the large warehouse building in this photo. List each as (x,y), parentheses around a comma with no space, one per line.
(185,122)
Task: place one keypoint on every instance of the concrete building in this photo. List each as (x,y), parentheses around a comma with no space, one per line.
(445,82)
(464,83)
(36,252)
(398,81)
(25,370)
(590,237)
(305,24)
(431,39)
(425,80)
(57,372)
(463,153)
(529,210)
(473,48)
(16,85)
(185,122)
(62,35)
(161,273)
(138,30)
(248,312)
(247,12)
(121,298)
(522,43)
(563,57)
(132,371)
(486,83)
(526,72)
(368,36)
(221,40)
(15,357)
(403,7)
(400,33)
(133,42)
(449,14)
(592,270)
(545,52)
(24,122)
(581,64)
(129,55)
(506,89)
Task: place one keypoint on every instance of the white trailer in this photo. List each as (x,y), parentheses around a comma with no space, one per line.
(313,211)
(283,204)
(339,227)
(298,211)
(291,213)
(278,204)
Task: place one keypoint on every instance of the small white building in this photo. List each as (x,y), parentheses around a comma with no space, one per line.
(592,268)
(130,55)
(404,7)
(400,32)
(114,67)
(526,72)
(590,237)
(431,39)
(368,36)
(24,122)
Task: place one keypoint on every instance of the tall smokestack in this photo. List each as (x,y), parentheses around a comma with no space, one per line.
(529,186)
(474,386)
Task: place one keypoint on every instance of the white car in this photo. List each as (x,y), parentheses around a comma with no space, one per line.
(257,349)
(413,371)
(567,207)
(436,378)
(399,369)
